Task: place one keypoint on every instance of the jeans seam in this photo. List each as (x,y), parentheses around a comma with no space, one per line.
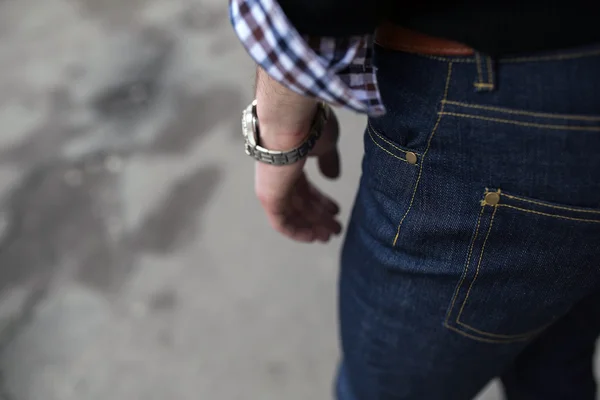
(479,70)
(380,136)
(595,221)
(446,59)
(483,339)
(386,150)
(527,124)
(550,205)
(466,267)
(524,112)
(553,57)
(431,135)
(522,336)
(487,235)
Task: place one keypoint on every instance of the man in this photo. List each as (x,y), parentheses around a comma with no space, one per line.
(472,251)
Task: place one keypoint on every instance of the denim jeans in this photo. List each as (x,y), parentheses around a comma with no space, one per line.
(473,250)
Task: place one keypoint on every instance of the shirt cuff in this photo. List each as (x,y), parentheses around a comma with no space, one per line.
(338,71)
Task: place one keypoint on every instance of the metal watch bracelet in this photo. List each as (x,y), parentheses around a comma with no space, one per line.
(251,131)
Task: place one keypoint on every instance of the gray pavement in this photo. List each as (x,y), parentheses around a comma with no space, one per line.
(134,261)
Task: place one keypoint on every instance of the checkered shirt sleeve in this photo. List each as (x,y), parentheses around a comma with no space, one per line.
(338,71)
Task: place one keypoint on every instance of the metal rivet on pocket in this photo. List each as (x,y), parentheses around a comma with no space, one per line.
(411,157)
(492,198)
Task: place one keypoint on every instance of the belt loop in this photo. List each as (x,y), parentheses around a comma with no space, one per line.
(486,73)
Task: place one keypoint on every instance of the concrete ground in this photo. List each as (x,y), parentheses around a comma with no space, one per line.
(134,261)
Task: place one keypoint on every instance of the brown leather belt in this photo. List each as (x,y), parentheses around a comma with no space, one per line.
(394,37)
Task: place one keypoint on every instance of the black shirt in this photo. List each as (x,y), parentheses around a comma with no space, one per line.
(495,28)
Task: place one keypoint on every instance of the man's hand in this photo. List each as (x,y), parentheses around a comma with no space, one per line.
(293,205)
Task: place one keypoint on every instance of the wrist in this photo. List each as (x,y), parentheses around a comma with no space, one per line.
(280,131)
(285,117)
(281,149)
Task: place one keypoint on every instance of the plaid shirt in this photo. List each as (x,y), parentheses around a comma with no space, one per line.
(338,71)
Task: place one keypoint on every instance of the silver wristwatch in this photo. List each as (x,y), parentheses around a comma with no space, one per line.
(251,131)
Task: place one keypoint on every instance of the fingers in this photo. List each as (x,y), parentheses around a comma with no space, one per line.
(324,222)
(330,205)
(306,216)
(324,212)
(319,213)
(293,226)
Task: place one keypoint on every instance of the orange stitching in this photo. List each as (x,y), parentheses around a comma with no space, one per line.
(529,124)
(521,335)
(478,266)
(552,206)
(515,59)
(446,59)
(479,73)
(494,335)
(387,151)
(467,263)
(437,123)
(594,221)
(480,339)
(522,112)
(555,57)
(380,136)
(509,338)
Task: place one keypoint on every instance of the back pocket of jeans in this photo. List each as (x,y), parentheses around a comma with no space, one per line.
(528,262)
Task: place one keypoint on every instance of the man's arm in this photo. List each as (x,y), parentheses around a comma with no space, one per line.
(293,205)
(284,115)
(298,70)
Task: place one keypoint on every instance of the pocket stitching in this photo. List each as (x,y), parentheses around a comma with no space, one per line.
(521,123)
(386,150)
(483,339)
(553,57)
(521,336)
(507,110)
(431,135)
(596,221)
(380,136)
(551,205)
(488,336)
(487,235)
(466,267)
